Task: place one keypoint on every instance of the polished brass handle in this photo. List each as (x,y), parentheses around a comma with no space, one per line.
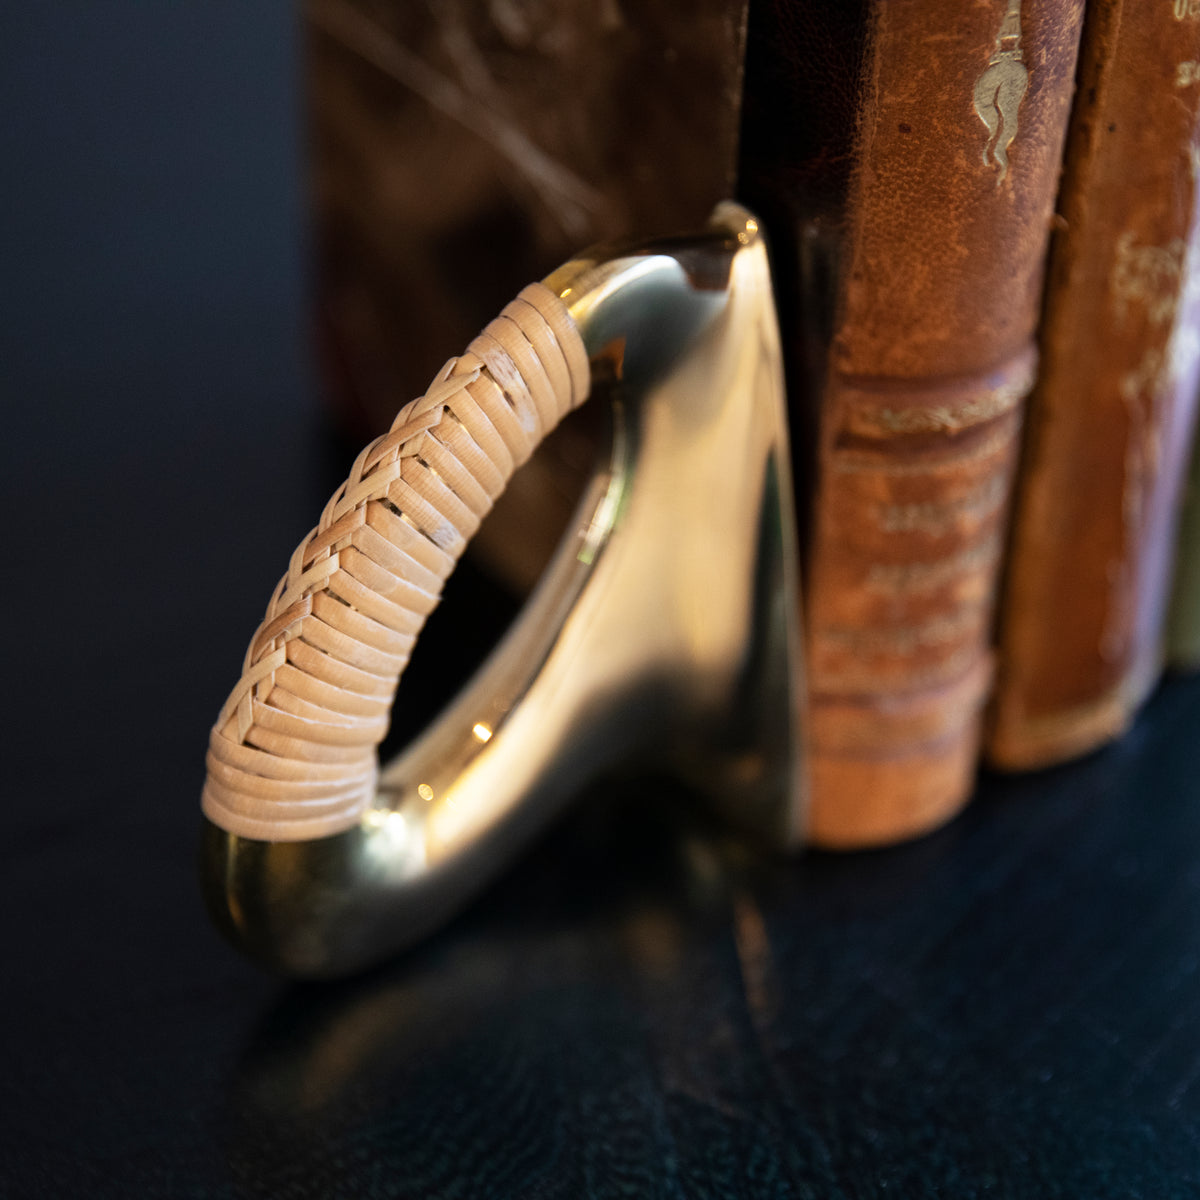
(666,622)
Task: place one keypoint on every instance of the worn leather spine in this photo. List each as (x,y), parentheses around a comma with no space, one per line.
(924,233)
(1111,421)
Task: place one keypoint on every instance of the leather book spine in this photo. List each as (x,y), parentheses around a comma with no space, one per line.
(958,147)
(1111,420)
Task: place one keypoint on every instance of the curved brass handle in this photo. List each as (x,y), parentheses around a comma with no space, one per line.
(667,621)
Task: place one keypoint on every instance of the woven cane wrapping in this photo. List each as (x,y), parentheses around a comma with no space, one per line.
(293,752)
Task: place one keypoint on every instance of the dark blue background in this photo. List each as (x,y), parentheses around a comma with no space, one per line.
(1007,1008)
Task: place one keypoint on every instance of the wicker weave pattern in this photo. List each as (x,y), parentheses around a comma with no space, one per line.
(293,752)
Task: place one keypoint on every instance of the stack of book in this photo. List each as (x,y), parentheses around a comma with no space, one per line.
(984,224)
(1005,397)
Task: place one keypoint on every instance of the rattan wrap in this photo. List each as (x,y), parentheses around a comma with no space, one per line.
(293,753)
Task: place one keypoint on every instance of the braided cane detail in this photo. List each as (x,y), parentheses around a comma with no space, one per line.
(293,752)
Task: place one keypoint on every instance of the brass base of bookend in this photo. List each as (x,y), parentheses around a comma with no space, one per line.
(665,625)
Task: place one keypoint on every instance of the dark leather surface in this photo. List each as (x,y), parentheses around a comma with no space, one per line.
(484,141)
(1008,1008)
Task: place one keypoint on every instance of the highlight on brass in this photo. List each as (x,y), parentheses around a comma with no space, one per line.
(664,629)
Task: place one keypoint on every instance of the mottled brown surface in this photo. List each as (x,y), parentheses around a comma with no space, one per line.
(462,148)
(931,261)
(1110,422)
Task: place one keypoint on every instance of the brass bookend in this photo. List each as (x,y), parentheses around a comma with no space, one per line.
(666,625)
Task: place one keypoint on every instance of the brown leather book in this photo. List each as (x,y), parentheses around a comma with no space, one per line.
(909,177)
(460,150)
(1110,423)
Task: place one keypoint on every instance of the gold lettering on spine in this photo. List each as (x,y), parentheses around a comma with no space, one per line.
(1000,90)
(940,518)
(1146,278)
(1187,73)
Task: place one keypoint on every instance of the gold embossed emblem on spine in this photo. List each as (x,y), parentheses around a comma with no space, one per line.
(1000,90)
